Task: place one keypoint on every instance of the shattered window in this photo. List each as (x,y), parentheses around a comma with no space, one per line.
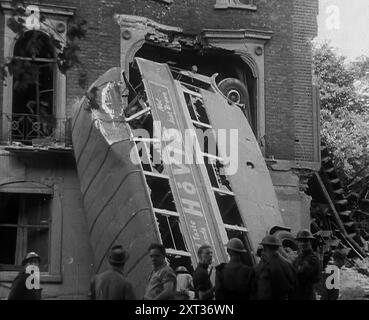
(161,193)
(150,157)
(206,138)
(33,87)
(170,232)
(196,108)
(217,178)
(214,163)
(138,116)
(228,209)
(24,227)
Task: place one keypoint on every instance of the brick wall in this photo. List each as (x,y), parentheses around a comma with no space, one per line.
(288,103)
(304,30)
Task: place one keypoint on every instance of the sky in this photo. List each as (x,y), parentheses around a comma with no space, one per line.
(346,24)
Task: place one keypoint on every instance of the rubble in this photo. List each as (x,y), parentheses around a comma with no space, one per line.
(354,281)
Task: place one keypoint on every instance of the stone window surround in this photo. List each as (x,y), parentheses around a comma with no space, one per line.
(248,44)
(54,14)
(54,274)
(235,4)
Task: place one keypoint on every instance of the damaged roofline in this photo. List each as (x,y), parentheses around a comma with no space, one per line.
(175,38)
(126,20)
(237,34)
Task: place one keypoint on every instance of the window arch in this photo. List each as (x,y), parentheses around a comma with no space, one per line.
(17,121)
(33,87)
(233,66)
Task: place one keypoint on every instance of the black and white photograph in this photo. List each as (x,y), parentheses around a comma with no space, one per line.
(184,150)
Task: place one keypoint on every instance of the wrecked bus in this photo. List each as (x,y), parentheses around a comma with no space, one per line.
(163,156)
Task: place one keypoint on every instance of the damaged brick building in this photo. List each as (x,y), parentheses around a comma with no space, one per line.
(266,45)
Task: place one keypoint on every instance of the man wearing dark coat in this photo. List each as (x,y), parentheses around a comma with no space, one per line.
(20,290)
(275,278)
(112,284)
(307,267)
(233,280)
(204,289)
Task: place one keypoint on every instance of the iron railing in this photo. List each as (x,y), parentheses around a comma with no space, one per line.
(24,128)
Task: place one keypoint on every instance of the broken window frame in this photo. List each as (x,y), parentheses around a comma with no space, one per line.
(176,238)
(170,214)
(150,172)
(219,186)
(146,154)
(192,109)
(240,227)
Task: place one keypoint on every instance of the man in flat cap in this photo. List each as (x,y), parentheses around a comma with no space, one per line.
(112,284)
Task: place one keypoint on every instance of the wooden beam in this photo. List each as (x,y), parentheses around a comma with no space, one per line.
(350,241)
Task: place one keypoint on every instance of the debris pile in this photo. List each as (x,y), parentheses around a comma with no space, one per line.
(355,281)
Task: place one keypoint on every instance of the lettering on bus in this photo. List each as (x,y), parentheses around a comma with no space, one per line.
(180,171)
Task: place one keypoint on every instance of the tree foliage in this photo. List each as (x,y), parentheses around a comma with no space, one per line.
(344,93)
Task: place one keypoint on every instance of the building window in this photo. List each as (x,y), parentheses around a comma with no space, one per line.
(34,103)
(24,227)
(33,88)
(235,4)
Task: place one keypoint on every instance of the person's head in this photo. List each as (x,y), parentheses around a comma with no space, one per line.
(339,258)
(270,245)
(259,251)
(118,256)
(205,254)
(32,258)
(181,269)
(235,248)
(157,255)
(304,238)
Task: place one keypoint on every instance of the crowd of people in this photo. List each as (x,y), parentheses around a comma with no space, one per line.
(273,278)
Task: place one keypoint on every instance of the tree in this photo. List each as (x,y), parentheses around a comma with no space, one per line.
(344,89)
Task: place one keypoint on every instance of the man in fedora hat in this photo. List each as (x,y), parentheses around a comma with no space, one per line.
(112,284)
(307,266)
(233,280)
(275,276)
(22,289)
